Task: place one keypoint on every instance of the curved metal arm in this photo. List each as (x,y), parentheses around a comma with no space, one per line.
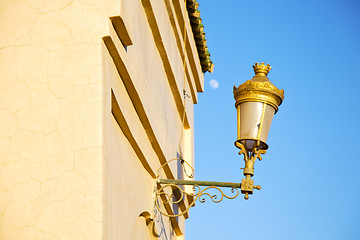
(166,198)
(184,164)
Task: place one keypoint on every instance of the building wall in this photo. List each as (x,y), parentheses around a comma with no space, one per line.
(86,122)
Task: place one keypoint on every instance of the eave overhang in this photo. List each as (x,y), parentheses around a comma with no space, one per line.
(199,35)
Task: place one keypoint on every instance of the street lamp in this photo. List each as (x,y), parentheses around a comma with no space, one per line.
(257,100)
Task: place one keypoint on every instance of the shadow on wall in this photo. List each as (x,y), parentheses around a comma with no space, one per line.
(144,228)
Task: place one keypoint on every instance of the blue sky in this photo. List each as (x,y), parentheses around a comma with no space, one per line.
(311,172)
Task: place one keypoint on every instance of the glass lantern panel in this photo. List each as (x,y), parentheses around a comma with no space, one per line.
(255,121)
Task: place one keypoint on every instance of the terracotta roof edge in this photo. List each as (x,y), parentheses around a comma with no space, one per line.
(199,35)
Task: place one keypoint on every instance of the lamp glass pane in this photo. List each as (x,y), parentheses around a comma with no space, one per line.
(255,121)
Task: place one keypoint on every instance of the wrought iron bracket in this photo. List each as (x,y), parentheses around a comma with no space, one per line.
(165,188)
(198,183)
(165,196)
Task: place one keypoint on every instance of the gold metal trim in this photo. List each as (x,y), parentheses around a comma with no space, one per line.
(247,184)
(259,89)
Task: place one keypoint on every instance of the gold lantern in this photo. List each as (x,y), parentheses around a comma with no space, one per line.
(257,100)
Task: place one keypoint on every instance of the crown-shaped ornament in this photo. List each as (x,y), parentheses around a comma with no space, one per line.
(261,69)
(259,89)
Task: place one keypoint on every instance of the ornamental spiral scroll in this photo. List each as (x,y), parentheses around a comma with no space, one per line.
(166,198)
(184,165)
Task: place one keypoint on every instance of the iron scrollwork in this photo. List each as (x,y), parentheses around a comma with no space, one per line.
(164,193)
(166,198)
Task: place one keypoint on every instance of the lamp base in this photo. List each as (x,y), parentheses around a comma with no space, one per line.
(247,184)
(250,144)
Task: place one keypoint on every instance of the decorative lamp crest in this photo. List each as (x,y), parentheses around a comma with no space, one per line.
(261,69)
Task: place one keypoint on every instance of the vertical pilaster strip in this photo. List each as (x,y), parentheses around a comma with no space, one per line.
(139,108)
(165,60)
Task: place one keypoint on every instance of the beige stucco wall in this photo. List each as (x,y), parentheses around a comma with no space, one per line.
(50,114)
(67,170)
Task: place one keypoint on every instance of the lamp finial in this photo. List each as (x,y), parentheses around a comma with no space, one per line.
(261,69)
